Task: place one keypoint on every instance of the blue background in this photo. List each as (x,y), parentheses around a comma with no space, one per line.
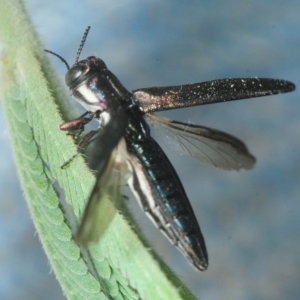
(250,219)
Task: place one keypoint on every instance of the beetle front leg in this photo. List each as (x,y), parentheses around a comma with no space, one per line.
(85,141)
(77,124)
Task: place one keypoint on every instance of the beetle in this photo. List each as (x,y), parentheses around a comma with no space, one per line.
(124,151)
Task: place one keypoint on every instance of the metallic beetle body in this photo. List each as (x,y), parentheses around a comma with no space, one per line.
(162,197)
(123,146)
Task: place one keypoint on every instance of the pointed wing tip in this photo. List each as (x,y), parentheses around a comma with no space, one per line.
(83,241)
(249,163)
(289,86)
(200,265)
(80,240)
(246,163)
(281,86)
(85,236)
(203,267)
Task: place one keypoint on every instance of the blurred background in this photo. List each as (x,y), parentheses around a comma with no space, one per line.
(250,219)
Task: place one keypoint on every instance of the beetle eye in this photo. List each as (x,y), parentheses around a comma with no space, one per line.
(73,74)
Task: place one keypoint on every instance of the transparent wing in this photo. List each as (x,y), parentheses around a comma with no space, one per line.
(105,197)
(205,144)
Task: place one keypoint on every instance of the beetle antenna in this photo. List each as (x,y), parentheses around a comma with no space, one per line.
(82,43)
(62,59)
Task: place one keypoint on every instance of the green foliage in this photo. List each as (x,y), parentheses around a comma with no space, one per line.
(119,266)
